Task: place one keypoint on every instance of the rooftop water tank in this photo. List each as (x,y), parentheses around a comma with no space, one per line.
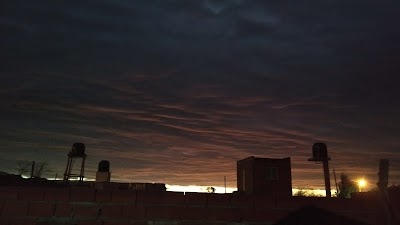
(320,151)
(78,150)
(104,166)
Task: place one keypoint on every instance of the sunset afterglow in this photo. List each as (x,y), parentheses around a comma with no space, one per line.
(177,92)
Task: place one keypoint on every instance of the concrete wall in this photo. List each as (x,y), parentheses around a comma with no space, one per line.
(83,206)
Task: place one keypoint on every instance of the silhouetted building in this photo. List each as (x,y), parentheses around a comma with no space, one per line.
(264,176)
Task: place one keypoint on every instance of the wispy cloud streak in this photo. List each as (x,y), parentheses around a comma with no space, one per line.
(176,92)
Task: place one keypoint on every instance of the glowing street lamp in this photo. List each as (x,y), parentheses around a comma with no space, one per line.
(361,183)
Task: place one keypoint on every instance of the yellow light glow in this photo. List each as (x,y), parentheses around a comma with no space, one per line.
(361,183)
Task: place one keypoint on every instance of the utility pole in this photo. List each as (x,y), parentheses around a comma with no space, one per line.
(382,187)
(33,169)
(334,175)
(225,183)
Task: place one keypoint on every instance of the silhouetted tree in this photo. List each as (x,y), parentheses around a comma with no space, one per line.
(394,188)
(346,186)
(40,168)
(23,167)
(210,189)
(304,193)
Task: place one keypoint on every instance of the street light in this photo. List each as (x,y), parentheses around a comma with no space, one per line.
(361,183)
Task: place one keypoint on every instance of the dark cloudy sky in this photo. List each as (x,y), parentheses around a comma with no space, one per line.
(178,91)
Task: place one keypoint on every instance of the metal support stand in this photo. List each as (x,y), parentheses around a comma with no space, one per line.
(327,179)
(70,163)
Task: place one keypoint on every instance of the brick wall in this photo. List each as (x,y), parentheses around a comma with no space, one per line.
(252,176)
(282,185)
(81,206)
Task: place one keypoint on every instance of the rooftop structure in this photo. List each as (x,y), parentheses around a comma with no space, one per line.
(264,176)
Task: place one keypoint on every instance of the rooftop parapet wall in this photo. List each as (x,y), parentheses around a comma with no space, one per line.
(23,205)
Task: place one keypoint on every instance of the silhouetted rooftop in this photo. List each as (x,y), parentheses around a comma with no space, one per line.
(311,215)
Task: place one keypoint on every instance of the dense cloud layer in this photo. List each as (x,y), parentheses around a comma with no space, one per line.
(177,91)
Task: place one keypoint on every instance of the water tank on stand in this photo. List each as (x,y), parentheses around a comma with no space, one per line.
(320,152)
(78,150)
(103,173)
(104,166)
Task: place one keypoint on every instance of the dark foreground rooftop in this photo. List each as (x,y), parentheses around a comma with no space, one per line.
(311,215)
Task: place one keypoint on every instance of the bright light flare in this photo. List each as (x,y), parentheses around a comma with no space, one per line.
(361,183)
